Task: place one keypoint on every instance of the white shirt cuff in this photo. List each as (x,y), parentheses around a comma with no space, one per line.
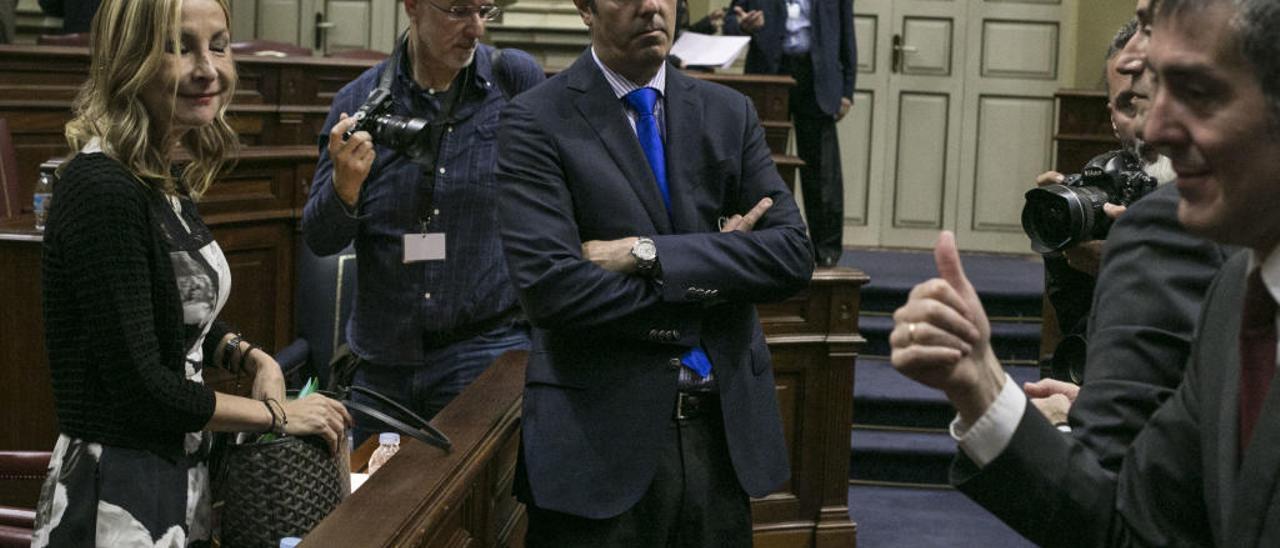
(990,435)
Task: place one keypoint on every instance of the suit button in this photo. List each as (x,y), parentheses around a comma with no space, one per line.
(653,333)
(675,335)
(673,364)
(691,293)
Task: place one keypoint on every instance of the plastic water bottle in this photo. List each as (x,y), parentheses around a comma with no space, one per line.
(388,444)
(42,197)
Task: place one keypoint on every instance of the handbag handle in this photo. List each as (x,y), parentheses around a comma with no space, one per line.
(420,429)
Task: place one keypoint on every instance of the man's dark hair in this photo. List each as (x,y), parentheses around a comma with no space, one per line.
(1257,29)
(1122,37)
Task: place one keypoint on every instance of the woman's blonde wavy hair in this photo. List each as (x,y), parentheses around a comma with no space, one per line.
(127,53)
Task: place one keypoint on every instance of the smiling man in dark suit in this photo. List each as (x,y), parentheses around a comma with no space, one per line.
(812,41)
(649,412)
(1205,469)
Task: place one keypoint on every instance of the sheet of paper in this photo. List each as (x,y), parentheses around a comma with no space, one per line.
(704,50)
(357,480)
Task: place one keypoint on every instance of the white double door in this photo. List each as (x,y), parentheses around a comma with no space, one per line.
(953,118)
(325,25)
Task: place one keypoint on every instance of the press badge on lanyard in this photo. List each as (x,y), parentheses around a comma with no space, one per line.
(424,247)
(793,10)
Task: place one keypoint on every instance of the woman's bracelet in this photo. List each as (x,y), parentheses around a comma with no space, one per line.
(232,346)
(274,418)
(279,428)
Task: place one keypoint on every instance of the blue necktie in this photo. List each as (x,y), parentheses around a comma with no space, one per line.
(642,101)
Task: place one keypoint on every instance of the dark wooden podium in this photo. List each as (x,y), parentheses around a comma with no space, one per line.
(428,497)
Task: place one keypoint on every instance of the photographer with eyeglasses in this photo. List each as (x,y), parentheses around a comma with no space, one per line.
(406,171)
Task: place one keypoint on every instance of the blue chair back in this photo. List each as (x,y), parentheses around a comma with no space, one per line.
(322,304)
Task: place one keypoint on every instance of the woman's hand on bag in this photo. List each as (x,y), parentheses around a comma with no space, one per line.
(319,415)
(268,380)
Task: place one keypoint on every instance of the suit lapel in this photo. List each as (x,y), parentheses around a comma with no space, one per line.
(603,112)
(684,154)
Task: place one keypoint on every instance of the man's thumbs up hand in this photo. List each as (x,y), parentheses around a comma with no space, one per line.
(941,337)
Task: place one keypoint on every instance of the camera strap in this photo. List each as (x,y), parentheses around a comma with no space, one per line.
(449,104)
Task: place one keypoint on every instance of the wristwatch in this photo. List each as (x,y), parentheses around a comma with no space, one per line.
(646,255)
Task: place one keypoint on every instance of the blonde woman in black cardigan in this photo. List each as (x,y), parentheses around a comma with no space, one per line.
(133,282)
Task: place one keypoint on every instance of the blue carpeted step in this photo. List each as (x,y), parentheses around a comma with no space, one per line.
(924,518)
(1012,341)
(883,397)
(876,298)
(918,458)
(1009,286)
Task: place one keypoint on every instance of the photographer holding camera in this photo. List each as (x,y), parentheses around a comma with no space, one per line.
(409,176)
(1153,277)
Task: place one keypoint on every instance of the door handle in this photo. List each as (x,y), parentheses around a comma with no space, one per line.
(899,51)
(321,27)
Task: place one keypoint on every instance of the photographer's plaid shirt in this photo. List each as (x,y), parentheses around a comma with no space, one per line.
(397,304)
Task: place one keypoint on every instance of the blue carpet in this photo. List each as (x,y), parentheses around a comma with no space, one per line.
(994,275)
(922,518)
(1009,285)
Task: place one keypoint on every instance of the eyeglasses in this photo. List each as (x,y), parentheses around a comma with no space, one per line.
(487,12)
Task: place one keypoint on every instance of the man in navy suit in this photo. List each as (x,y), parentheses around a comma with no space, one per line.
(642,219)
(812,41)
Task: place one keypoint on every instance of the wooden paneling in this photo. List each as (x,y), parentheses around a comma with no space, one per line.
(1084,129)
(26,395)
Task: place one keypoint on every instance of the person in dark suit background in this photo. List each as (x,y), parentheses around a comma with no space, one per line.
(77,15)
(812,41)
(1203,471)
(649,413)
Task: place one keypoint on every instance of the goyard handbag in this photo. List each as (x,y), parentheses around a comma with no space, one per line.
(283,487)
(278,488)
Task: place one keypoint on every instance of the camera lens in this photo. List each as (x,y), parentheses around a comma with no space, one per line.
(1051,217)
(401,134)
(1056,217)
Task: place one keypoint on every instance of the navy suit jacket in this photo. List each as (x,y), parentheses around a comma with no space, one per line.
(833,46)
(601,381)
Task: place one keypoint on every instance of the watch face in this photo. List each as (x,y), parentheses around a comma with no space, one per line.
(645,250)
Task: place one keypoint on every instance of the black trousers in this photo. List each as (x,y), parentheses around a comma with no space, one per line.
(695,500)
(821,178)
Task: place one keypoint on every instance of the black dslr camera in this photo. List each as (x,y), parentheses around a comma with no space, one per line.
(408,136)
(1059,216)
